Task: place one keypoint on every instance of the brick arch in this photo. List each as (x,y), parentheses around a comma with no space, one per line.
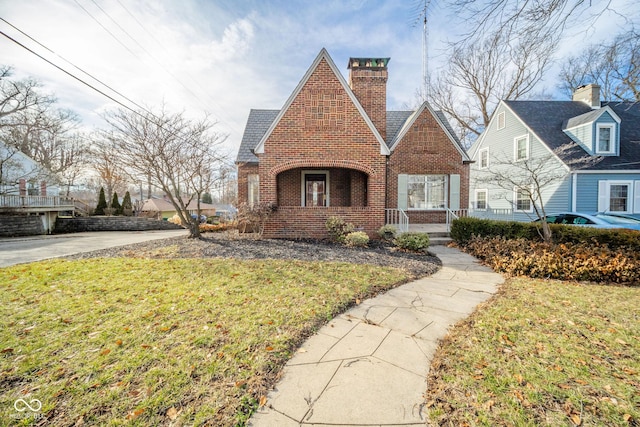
(345,164)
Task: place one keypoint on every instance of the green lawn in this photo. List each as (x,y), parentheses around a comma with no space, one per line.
(542,353)
(120,341)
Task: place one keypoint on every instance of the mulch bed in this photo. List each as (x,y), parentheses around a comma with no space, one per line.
(232,245)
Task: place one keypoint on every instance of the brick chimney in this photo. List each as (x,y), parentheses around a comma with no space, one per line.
(589,94)
(368,81)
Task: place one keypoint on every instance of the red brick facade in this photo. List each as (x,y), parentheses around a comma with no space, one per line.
(323,131)
(426,150)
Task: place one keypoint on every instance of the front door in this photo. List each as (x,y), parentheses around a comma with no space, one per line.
(315,190)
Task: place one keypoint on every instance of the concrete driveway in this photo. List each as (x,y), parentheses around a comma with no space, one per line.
(18,250)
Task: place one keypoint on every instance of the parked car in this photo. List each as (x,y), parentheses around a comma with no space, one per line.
(598,220)
(203,218)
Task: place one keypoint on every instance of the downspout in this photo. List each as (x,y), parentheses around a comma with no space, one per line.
(574,191)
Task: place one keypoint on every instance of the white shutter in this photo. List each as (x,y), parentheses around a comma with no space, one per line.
(403,183)
(454,191)
(603,196)
(636,197)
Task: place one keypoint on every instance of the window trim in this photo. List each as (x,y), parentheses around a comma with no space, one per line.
(501,117)
(630,195)
(250,200)
(612,138)
(486,199)
(515,147)
(480,153)
(446,192)
(303,190)
(515,201)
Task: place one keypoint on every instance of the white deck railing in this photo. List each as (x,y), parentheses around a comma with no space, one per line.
(398,218)
(15,201)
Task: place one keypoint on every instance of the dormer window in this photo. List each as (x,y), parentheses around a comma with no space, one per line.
(605,135)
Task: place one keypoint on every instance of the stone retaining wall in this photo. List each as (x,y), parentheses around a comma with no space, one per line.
(111,223)
(20,225)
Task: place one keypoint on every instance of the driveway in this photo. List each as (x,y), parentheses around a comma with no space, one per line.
(18,250)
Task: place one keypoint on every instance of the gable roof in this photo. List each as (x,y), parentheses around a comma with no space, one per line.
(258,123)
(442,122)
(589,117)
(323,55)
(547,119)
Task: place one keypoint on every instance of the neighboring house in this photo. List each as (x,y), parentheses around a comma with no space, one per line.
(592,149)
(334,150)
(26,188)
(164,209)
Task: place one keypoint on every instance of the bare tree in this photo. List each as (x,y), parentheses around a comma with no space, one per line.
(18,95)
(518,18)
(30,123)
(113,176)
(482,71)
(615,66)
(179,156)
(532,177)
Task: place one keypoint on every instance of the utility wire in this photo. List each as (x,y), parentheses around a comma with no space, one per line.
(106,29)
(70,63)
(161,45)
(147,52)
(150,114)
(70,75)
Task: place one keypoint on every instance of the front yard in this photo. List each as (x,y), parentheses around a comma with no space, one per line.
(542,353)
(139,341)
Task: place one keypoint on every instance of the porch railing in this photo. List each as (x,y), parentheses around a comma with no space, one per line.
(16,201)
(398,218)
(455,214)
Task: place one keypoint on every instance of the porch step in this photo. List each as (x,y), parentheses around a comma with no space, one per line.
(438,234)
(439,240)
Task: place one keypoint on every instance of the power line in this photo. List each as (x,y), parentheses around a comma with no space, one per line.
(106,29)
(70,63)
(163,47)
(70,74)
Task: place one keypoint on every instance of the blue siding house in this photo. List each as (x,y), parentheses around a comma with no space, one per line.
(588,152)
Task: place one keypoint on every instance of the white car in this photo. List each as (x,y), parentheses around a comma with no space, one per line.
(598,220)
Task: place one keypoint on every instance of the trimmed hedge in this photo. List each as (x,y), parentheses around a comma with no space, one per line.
(565,261)
(464,229)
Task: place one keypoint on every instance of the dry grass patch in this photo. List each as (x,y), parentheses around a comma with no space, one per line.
(115,341)
(542,353)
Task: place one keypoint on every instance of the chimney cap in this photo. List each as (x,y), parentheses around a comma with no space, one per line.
(368,63)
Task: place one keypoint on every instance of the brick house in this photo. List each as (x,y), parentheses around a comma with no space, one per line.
(335,150)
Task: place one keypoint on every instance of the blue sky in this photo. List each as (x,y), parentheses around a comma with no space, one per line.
(223,57)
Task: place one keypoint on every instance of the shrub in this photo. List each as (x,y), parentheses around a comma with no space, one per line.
(338,228)
(565,261)
(387,232)
(357,238)
(463,230)
(207,228)
(252,219)
(175,220)
(115,204)
(127,206)
(412,241)
(102,203)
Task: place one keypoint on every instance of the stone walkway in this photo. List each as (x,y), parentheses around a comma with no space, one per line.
(368,366)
